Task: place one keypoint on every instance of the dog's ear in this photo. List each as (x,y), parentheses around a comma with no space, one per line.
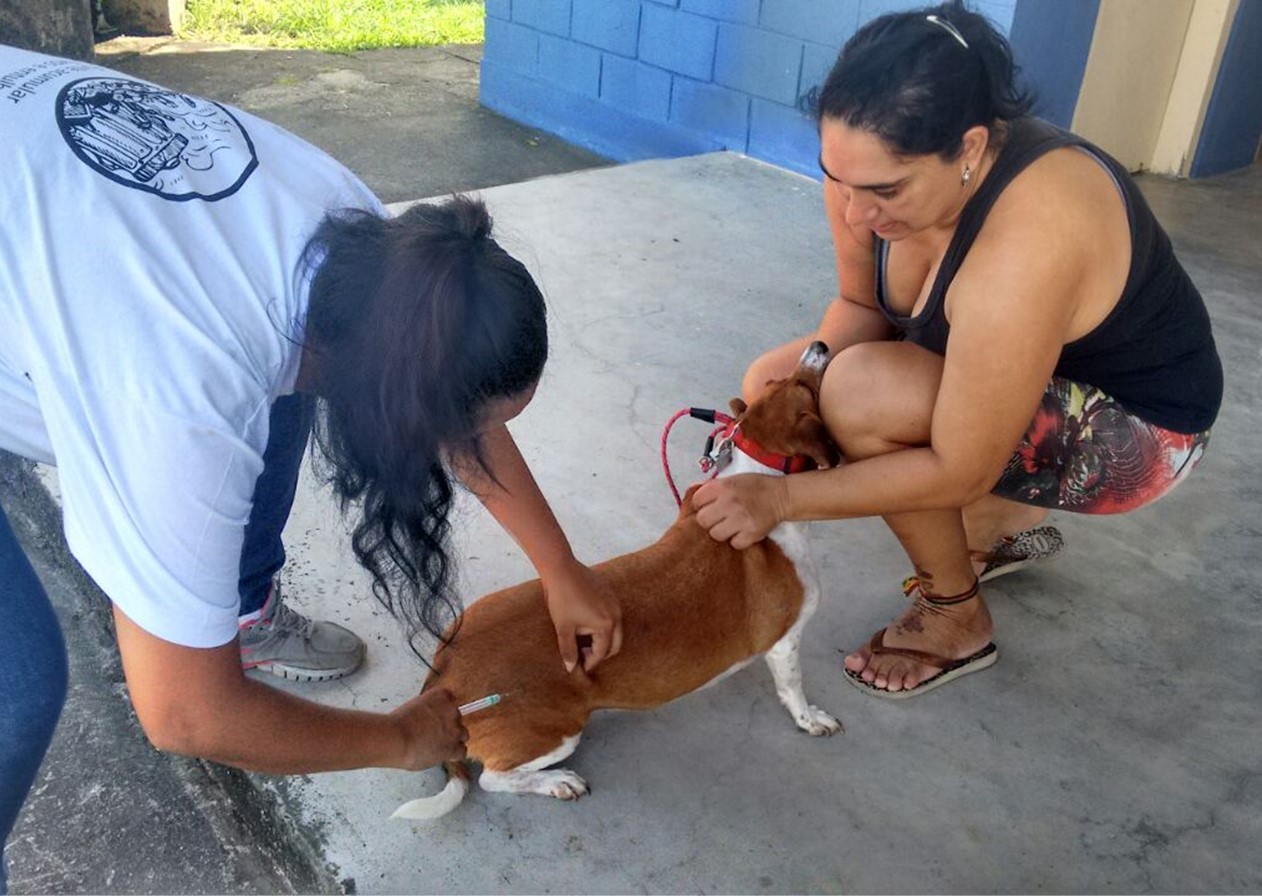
(737,406)
(813,440)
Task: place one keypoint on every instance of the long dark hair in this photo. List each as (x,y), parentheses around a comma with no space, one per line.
(914,84)
(414,324)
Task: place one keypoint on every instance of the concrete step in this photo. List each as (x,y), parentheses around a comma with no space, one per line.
(109,813)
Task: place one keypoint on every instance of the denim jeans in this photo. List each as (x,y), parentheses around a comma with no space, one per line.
(33,675)
(262,554)
(33,679)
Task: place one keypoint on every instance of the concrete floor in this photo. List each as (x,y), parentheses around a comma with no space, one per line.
(1113,749)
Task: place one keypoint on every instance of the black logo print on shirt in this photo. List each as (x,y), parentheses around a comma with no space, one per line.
(178,146)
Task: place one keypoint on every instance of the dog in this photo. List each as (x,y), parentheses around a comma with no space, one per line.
(694,610)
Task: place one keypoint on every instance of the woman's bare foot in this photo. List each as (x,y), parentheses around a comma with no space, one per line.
(952,632)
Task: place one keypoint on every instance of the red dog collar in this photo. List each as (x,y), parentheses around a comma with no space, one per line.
(780,462)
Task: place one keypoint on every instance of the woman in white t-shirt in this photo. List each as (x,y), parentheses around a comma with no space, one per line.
(243,283)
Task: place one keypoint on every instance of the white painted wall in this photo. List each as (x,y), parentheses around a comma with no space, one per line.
(1130,74)
(1149,78)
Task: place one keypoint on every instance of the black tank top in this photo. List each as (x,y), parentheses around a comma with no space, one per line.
(1154,353)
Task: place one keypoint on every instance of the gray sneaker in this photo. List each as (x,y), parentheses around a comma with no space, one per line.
(288,644)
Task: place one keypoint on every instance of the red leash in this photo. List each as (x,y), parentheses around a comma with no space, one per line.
(730,435)
(707,463)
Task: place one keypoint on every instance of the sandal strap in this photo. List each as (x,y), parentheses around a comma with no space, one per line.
(877,646)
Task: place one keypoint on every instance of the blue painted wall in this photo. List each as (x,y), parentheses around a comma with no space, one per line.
(634,79)
(1233,120)
(1050,41)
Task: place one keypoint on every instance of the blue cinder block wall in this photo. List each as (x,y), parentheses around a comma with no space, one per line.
(635,79)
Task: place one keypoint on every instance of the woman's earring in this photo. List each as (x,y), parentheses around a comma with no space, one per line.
(966,176)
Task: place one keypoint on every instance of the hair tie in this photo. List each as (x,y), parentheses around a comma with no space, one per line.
(948,28)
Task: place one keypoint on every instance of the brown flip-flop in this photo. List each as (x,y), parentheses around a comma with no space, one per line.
(950,669)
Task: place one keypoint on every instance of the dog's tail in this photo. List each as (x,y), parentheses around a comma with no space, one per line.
(438,805)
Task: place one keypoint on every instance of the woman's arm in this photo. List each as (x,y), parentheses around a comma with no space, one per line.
(1010,307)
(198,702)
(850,318)
(580,605)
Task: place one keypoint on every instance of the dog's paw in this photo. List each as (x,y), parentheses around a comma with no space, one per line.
(818,723)
(562,784)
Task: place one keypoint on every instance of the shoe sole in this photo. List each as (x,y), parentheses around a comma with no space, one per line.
(1017,565)
(291,673)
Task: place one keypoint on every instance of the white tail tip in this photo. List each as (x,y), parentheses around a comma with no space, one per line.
(431,807)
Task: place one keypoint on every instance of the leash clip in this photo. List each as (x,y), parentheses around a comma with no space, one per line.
(717,454)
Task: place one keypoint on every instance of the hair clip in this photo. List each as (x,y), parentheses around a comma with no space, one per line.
(949,29)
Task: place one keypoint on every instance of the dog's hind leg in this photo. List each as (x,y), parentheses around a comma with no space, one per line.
(536,777)
(786,669)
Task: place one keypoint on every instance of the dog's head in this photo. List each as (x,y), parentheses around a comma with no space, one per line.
(785,418)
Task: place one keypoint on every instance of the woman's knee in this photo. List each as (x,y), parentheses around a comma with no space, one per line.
(878,396)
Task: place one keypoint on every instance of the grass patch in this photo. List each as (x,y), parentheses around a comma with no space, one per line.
(335,25)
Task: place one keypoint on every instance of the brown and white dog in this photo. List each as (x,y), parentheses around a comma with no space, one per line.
(693,611)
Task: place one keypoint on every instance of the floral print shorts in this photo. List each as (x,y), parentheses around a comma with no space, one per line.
(1084,453)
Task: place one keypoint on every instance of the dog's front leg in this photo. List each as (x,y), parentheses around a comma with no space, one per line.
(782,658)
(786,669)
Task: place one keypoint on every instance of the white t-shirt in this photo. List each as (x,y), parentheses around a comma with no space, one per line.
(150,307)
